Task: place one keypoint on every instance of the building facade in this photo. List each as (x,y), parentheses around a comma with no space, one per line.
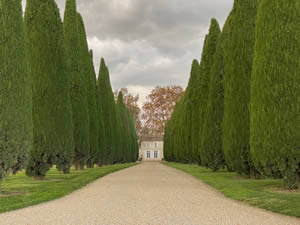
(151,148)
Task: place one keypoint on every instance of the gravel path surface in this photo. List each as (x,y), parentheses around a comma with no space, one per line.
(150,193)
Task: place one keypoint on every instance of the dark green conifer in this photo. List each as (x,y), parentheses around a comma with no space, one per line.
(90,79)
(122,119)
(100,159)
(117,135)
(238,56)
(207,58)
(78,92)
(191,100)
(107,102)
(52,116)
(275,91)
(96,155)
(15,90)
(212,155)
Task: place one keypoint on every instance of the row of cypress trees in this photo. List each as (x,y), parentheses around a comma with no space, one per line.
(53,110)
(241,107)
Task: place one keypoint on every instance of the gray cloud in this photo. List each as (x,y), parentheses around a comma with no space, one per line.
(148,43)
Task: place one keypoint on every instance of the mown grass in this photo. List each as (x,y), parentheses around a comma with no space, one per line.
(19,191)
(264,193)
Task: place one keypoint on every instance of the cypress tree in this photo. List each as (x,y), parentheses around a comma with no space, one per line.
(191,115)
(128,140)
(167,148)
(238,55)
(52,133)
(106,99)
(275,91)
(132,135)
(15,90)
(178,133)
(171,134)
(212,155)
(100,159)
(123,120)
(78,90)
(208,53)
(96,156)
(117,139)
(90,79)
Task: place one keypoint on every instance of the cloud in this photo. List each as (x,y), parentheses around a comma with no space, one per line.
(148,43)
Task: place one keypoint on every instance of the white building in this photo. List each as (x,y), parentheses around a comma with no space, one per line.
(151,148)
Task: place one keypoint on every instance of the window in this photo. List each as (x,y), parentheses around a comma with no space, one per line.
(148,154)
(155,144)
(155,155)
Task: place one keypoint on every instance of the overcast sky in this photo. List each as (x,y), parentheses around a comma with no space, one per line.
(148,42)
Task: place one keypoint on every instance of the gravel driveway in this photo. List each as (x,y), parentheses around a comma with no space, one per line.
(150,193)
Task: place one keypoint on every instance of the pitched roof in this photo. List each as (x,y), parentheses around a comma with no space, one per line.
(152,138)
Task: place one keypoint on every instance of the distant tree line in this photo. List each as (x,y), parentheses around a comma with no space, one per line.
(241,107)
(53,110)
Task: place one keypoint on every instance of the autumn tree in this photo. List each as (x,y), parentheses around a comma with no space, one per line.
(159,107)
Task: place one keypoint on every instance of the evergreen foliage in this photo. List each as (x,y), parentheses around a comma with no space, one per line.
(15,90)
(212,155)
(133,137)
(52,133)
(275,91)
(107,103)
(238,56)
(100,159)
(117,135)
(96,155)
(173,139)
(74,53)
(192,112)
(122,120)
(207,58)
(88,76)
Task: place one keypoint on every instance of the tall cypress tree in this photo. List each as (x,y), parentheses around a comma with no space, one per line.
(106,99)
(78,90)
(238,55)
(53,142)
(89,78)
(208,53)
(275,91)
(117,134)
(100,160)
(122,117)
(132,134)
(15,90)
(212,155)
(191,115)
(95,155)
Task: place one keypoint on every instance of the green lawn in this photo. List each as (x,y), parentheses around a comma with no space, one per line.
(264,193)
(19,191)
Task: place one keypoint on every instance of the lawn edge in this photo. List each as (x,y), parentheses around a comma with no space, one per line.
(228,197)
(77,189)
